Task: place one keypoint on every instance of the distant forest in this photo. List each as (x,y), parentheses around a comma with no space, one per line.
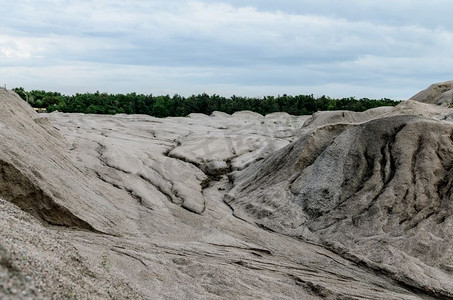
(179,106)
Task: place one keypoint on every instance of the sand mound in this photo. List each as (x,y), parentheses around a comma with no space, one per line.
(379,191)
(409,107)
(438,93)
(26,167)
(35,163)
(331,117)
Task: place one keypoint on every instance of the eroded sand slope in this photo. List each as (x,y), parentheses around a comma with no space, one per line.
(336,205)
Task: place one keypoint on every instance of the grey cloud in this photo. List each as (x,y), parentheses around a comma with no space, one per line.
(247,45)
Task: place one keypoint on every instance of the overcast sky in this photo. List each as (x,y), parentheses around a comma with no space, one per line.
(344,48)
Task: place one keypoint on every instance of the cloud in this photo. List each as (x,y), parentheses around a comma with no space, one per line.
(13,49)
(254,48)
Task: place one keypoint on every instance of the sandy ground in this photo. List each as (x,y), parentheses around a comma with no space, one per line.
(134,206)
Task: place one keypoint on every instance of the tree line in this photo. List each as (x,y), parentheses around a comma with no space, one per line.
(179,106)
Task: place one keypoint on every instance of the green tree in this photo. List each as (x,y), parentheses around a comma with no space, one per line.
(164,106)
